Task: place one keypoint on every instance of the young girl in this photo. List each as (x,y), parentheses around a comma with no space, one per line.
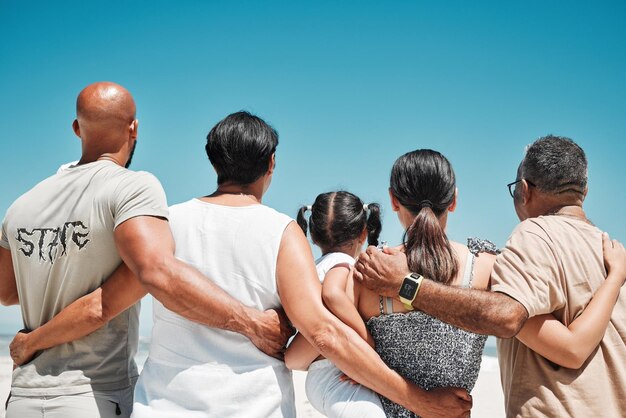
(339,224)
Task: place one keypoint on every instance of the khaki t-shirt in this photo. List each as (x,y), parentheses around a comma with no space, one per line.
(554,264)
(60,234)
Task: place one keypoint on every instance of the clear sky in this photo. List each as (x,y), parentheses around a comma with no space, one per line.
(349,86)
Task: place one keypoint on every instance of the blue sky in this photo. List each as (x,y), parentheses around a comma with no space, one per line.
(350,86)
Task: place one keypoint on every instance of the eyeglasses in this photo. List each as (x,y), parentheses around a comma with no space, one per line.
(512,186)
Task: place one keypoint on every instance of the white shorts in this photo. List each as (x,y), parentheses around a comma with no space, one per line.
(96,404)
(337,399)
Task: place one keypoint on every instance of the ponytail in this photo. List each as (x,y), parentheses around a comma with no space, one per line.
(373,225)
(428,250)
(301,220)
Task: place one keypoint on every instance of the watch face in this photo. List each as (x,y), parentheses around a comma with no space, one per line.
(408,289)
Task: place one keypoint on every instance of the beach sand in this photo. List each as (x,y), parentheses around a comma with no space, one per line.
(488,400)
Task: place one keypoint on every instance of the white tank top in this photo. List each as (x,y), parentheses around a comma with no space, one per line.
(193,367)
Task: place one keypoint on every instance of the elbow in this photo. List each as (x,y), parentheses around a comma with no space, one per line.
(513,321)
(574,362)
(573,358)
(325,339)
(292,362)
(9,298)
(153,274)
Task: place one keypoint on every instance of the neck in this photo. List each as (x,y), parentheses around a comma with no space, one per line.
(352,249)
(253,191)
(93,153)
(574,211)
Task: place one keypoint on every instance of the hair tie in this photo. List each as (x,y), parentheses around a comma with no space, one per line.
(309,207)
(426,203)
(366,207)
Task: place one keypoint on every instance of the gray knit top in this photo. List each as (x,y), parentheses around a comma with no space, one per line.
(427,351)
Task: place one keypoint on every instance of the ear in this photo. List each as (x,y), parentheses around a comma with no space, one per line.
(76,128)
(134,126)
(452,206)
(363,236)
(525,192)
(395,204)
(272,166)
(585,192)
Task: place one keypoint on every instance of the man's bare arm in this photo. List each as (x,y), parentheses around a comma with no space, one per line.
(8,287)
(479,311)
(82,317)
(146,245)
(300,294)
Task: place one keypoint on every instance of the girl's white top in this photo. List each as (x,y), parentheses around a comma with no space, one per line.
(330,260)
(196,371)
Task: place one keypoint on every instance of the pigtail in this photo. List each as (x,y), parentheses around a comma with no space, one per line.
(302,220)
(428,250)
(373,225)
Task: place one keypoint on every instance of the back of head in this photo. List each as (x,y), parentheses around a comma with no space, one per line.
(240,148)
(338,218)
(555,165)
(424,183)
(104,110)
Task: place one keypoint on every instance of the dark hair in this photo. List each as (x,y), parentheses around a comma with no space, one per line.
(555,164)
(423,182)
(240,148)
(340,217)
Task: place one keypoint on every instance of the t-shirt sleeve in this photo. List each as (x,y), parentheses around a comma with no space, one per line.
(528,271)
(139,195)
(4,240)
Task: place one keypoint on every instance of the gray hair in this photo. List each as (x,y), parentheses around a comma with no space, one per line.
(555,164)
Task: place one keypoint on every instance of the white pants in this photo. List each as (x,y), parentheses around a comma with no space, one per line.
(337,399)
(96,404)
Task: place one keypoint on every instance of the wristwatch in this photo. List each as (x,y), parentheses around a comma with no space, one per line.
(408,291)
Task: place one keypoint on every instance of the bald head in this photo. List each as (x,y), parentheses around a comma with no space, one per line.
(105,121)
(105,102)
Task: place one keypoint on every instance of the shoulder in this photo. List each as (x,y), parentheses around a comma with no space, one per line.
(281,217)
(477,245)
(534,228)
(127,177)
(25,200)
(332,260)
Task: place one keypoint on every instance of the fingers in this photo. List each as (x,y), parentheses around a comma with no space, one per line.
(462,394)
(371,250)
(606,241)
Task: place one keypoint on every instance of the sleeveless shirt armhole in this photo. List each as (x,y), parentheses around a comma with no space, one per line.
(475,246)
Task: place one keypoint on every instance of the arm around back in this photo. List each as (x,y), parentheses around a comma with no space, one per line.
(571,346)
(146,245)
(300,293)
(475,310)
(82,317)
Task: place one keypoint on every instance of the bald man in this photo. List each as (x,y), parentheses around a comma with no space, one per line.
(61,241)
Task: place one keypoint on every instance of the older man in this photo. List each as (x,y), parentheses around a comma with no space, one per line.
(64,237)
(552,263)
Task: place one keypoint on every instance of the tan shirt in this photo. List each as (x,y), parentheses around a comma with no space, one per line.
(554,264)
(60,234)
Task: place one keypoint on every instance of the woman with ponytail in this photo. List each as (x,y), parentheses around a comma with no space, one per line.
(339,225)
(429,352)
